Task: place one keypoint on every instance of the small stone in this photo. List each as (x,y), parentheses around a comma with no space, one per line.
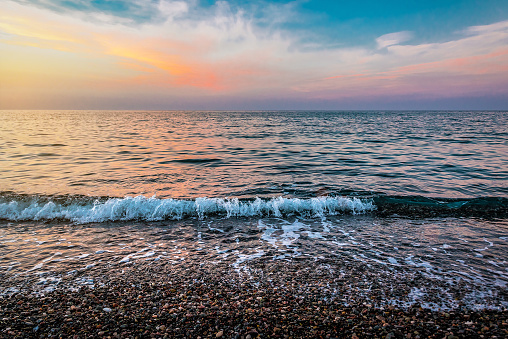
(219,334)
(106,309)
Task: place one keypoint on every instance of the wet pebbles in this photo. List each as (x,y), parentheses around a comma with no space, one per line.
(284,300)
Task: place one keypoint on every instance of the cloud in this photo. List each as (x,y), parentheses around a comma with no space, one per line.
(475,63)
(183,50)
(124,11)
(393,39)
(172,9)
(495,27)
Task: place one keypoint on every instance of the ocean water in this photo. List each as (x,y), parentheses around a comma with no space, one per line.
(417,200)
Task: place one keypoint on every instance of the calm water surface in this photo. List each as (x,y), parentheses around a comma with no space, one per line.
(192,154)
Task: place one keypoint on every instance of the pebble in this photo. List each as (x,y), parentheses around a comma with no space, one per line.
(205,303)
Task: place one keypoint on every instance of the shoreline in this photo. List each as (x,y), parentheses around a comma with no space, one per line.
(215,301)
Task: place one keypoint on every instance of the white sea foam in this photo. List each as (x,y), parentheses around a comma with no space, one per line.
(393,261)
(243,258)
(153,209)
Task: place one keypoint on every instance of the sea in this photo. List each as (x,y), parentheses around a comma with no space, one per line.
(413,199)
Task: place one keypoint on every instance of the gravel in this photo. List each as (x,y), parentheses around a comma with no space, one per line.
(282,300)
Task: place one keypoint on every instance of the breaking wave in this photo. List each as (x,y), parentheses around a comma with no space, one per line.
(83,209)
(153,209)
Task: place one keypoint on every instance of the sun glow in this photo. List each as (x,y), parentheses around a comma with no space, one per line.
(68,57)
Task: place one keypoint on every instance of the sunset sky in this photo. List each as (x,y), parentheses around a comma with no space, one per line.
(245,55)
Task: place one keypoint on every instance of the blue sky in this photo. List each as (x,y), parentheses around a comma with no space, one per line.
(202,54)
(431,17)
(352,21)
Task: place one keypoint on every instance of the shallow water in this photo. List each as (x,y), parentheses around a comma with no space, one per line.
(440,254)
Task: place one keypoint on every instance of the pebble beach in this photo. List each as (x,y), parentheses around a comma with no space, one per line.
(213,301)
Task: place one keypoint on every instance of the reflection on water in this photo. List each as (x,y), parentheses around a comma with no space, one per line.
(467,256)
(191,154)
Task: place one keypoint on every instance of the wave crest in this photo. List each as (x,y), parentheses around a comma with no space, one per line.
(155,209)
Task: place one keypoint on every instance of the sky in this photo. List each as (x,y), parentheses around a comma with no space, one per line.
(254,55)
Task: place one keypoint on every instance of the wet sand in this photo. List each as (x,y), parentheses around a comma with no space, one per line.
(264,300)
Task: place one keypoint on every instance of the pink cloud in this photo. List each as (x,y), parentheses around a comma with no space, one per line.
(226,54)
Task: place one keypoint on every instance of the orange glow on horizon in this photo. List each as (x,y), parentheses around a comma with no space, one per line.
(79,56)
